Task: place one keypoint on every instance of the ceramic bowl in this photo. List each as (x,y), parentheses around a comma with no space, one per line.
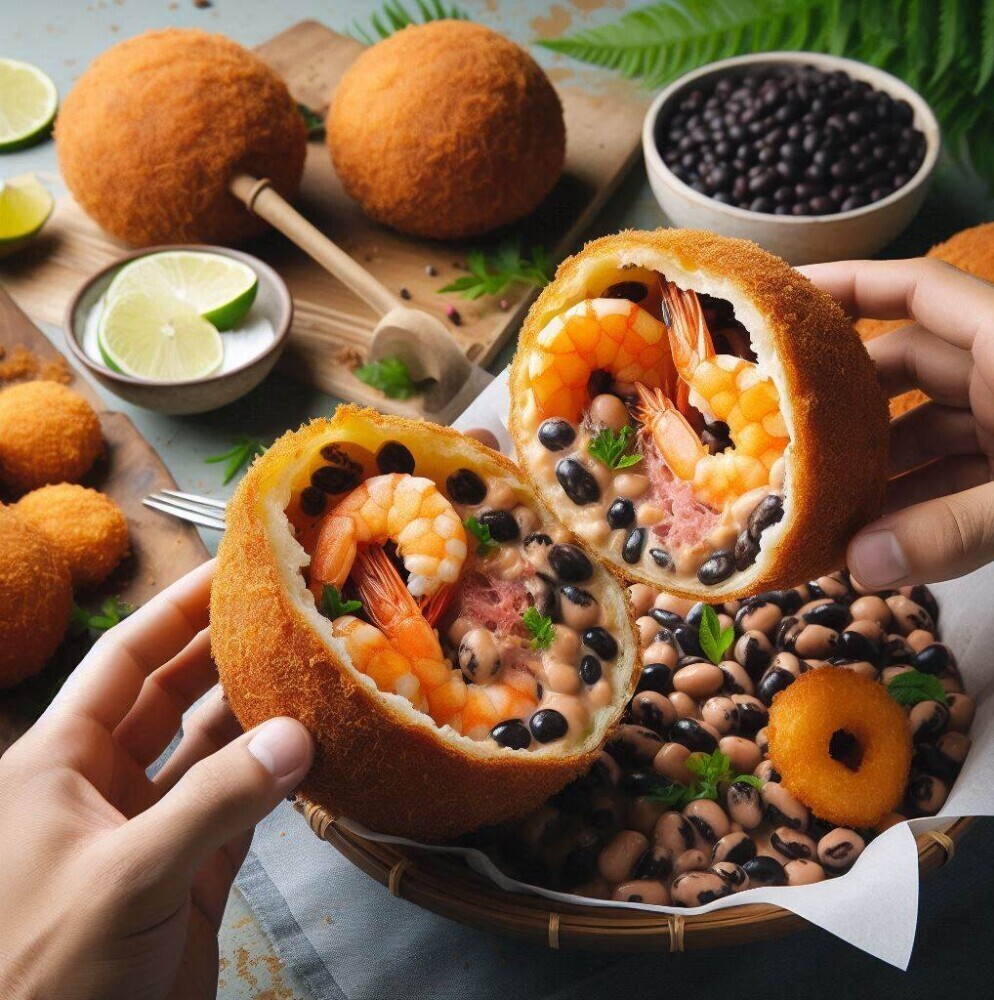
(272,308)
(802,239)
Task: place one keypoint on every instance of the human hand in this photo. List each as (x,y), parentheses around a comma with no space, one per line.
(940,503)
(113,884)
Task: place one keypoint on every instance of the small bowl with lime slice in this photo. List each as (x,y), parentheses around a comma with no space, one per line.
(181,329)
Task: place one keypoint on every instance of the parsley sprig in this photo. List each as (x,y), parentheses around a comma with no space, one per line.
(711,770)
(914,686)
(490,275)
(612,449)
(714,640)
(238,456)
(332,605)
(540,626)
(112,612)
(313,122)
(485,543)
(389,375)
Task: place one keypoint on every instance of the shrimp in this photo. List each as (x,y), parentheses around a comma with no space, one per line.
(612,335)
(722,387)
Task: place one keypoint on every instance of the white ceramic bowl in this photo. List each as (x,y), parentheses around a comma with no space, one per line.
(272,310)
(803,239)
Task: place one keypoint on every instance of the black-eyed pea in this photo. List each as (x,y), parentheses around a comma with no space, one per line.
(671,762)
(736,846)
(670,602)
(527,520)
(787,662)
(862,667)
(743,754)
(792,843)
(839,849)
(781,808)
(608,410)
(928,718)
(834,586)
(642,598)
(647,630)
(655,710)
(952,683)
(690,861)
(635,744)
(685,706)
(816,642)
(753,714)
(656,863)
(927,793)
(762,741)
(961,711)
(871,608)
(674,833)
(896,650)
(643,813)
(920,639)
(722,713)
(745,806)
(803,872)
(696,888)
(889,673)
(699,680)
(606,809)
(759,616)
(908,615)
(622,853)
(458,629)
(955,746)
(736,678)
(642,891)
(541,827)
(661,652)
(561,677)
(606,771)
(753,650)
(765,771)
(732,873)
(708,819)
(578,608)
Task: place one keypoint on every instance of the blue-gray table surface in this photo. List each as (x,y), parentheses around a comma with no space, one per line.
(955,947)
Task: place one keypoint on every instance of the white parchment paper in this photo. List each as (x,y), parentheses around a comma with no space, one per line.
(875,905)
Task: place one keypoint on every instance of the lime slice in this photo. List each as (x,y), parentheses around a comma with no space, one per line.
(25,205)
(158,337)
(28,101)
(219,288)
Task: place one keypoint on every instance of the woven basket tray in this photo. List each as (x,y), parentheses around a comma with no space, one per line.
(447,886)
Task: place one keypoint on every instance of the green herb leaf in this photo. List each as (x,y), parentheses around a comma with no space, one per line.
(112,612)
(711,770)
(540,627)
(389,375)
(506,266)
(749,779)
(394,15)
(611,449)
(241,454)
(313,122)
(674,796)
(913,686)
(481,532)
(714,640)
(332,605)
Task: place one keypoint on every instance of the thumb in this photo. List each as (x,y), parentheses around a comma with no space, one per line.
(932,541)
(225,794)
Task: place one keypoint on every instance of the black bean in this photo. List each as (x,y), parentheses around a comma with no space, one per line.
(466,487)
(512,733)
(661,558)
(767,512)
(717,568)
(772,683)
(833,616)
(746,550)
(590,669)
(313,501)
(570,563)
(932,659)
(547,725)
(856,646)
(577,596)
(655,677)
(688,639)
(691,734)
(643,781)
(668,619)
(764,870)
(634,291)
(920,594)
(631,551)
(334,479)
(930,759)
(621,513)
(601,642)
(735,847)
(577,482)
(394,457)
(655,864)
(502,525)
(556,434)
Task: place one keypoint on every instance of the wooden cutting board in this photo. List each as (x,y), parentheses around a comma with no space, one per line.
(331,327)
(162,549)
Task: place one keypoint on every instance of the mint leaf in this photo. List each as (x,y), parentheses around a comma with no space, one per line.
(505,267)
(389,375)
(481,532)
(332,605)
(674,796)
(913,686)
(540,628)
(112,612)
(611,449)
(713,639)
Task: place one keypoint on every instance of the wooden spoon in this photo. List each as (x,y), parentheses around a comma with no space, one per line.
(419,339)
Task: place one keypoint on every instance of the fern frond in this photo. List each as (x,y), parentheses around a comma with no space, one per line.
(393,16)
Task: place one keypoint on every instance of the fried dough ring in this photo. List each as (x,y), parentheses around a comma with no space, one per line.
(803,719)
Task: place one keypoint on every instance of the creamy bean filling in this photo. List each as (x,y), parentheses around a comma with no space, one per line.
(524,644)
(614,834)
(608,463)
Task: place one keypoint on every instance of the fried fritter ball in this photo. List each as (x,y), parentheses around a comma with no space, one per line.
(446,130)
(803,720)
(87,529)
(48,434)
(151,134)
(35,599)
(971,250)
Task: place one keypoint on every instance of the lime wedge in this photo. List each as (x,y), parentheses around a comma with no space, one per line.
(158,337)
(28,101)
(25,205)
(219,288)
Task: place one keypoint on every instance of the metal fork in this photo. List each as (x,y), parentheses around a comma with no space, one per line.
(202,511)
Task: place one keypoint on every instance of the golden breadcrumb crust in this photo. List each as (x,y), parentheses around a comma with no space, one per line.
(378,761)
(151,134)
(837,462)
(446,130)
(971,250)
(48,434)
(35,599)
(86,528)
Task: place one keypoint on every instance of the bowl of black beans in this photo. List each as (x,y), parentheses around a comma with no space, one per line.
(814,157)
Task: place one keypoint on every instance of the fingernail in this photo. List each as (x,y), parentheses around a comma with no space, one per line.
(877,559)
(281,746)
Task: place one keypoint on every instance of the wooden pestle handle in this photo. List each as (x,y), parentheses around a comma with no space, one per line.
(263,200)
